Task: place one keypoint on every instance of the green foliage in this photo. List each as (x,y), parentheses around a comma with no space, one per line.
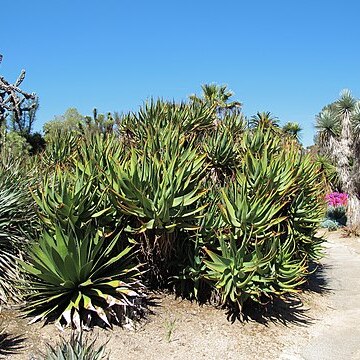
(80,279)
(81,269)
(216,95)
(13,145)
(36,142)
(77,347)
(292,129)
(158,189)
(155,116)
(69,122)
(158,192)
(337,213)
(271,212)
(335,218)
(66,199)
(238,273)
(17,220)
(203,203)
(220,149)
(60,147)
(329,171)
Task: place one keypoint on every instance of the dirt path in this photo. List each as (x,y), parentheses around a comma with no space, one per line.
(324,327)
(336,335)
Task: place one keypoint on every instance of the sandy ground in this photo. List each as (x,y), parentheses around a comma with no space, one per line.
(324,326)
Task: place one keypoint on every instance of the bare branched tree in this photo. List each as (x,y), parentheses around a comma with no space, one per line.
(13,100)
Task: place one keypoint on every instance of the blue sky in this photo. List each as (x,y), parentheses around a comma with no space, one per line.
(287,57)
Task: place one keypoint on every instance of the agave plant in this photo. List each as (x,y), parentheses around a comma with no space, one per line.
(77,347)
(220,149)
(95,150)
(60,146)
(71,199)
(158,191)
(239,273)
(157,115)
(17,220)
(271,212)
(75,280)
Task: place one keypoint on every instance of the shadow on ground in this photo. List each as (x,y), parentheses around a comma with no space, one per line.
(317,280)
(10,345)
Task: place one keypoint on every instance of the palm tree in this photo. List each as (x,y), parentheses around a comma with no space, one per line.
(264,119)
(218,95)
(292,129)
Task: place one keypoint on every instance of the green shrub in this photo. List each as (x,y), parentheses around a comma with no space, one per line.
(158,192)
(336,214)
(201,202)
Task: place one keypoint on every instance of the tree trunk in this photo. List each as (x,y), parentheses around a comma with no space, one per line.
(343,155)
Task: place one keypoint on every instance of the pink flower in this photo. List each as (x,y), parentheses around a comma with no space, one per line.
(337,199)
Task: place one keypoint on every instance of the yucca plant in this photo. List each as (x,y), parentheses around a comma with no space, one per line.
(76,280)
(78,347)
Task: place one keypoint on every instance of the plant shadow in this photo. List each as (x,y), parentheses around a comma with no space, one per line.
(317,280)
(11,345)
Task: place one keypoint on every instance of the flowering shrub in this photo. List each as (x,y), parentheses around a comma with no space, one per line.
(337,199)
(336,213)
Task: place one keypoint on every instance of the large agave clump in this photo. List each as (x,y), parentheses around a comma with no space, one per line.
(157,189)
(186,190)
(270,212)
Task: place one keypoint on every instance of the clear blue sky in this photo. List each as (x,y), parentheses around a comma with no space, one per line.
(287,57)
